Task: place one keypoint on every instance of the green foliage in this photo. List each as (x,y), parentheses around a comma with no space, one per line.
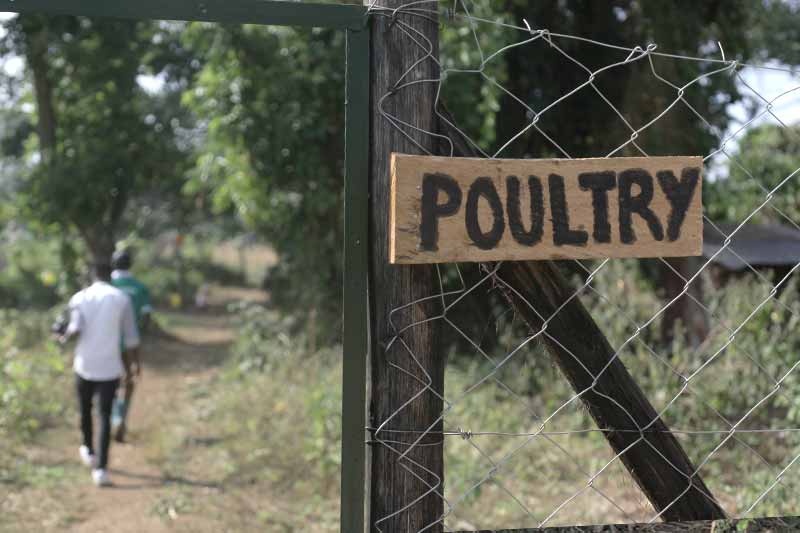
(272,99)
(777,29)
(729,376)
(766,156)
(732,380)
(292,389)
(40,271)
(15,129)
(728,380)
(29,369)
(583,124)
(99,138)
(262,346)
(248,122)
(33,273)
(166,273)
(262,337)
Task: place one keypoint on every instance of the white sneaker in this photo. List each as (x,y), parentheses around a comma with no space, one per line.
(87,457)
(100,477)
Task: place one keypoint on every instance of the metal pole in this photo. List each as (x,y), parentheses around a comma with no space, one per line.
(356,272)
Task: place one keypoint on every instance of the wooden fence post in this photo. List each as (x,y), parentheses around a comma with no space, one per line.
(405,493)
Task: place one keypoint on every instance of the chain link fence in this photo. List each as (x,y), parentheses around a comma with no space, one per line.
(711,341)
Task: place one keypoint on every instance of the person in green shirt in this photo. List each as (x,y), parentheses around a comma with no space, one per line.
(122,278)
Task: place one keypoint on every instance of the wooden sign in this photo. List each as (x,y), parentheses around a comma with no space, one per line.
(447,209)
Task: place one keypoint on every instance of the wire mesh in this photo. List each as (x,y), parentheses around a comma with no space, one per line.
(716,354)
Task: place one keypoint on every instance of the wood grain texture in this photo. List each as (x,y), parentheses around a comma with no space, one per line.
(581,206)
(744,525)
(404,496)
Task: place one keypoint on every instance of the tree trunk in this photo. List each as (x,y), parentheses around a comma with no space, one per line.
(407,373)
(45,111)
(100,243)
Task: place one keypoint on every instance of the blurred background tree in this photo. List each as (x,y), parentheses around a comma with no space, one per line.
(98,141)
(765,157)
(153,134)
(117,128)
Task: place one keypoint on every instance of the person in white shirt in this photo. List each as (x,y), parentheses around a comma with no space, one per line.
(103,318)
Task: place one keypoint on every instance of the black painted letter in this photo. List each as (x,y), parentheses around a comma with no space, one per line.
(527,238)
(599,183)
(432,209)
(485,241)
(562,234)
(638,204)
(679,195)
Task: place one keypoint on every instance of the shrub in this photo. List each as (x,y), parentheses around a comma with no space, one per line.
(30,370)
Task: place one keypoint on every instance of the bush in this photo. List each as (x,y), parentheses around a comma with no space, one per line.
(733,379)
(30,369)
(263,340)
(298,394)
(275,417)
(165,274)
(30,271)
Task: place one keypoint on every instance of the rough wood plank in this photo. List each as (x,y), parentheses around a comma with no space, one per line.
(446,209)
(405,493)
(578,342)
(743,525)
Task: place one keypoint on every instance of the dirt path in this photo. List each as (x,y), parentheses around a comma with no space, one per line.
(147,491)
(172,364)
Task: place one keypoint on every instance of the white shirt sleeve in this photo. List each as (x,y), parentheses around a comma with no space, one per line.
(75,320)
(129,330)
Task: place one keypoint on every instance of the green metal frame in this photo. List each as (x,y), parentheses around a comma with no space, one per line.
(267,12)
(356,274)
(352,19)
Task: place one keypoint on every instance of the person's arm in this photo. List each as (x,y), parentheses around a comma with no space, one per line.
(132,363)
(147,309)
(75,324)
(130,333)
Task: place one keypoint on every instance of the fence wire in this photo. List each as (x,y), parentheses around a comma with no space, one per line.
(519,449)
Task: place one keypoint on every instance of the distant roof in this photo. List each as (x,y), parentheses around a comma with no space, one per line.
(756,244)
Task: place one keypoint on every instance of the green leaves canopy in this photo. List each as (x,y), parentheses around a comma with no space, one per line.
(271,100)
(98,141)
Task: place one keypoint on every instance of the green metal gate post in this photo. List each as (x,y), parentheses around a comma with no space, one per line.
(356,272)
(352,19)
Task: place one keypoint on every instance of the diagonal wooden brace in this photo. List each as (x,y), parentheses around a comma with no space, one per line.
(654,457)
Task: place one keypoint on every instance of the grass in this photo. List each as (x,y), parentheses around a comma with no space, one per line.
(32,386)
(262,433)
(547,478)
(255,452)
(34,395)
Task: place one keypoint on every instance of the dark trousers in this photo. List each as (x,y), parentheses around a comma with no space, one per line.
(106,390)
